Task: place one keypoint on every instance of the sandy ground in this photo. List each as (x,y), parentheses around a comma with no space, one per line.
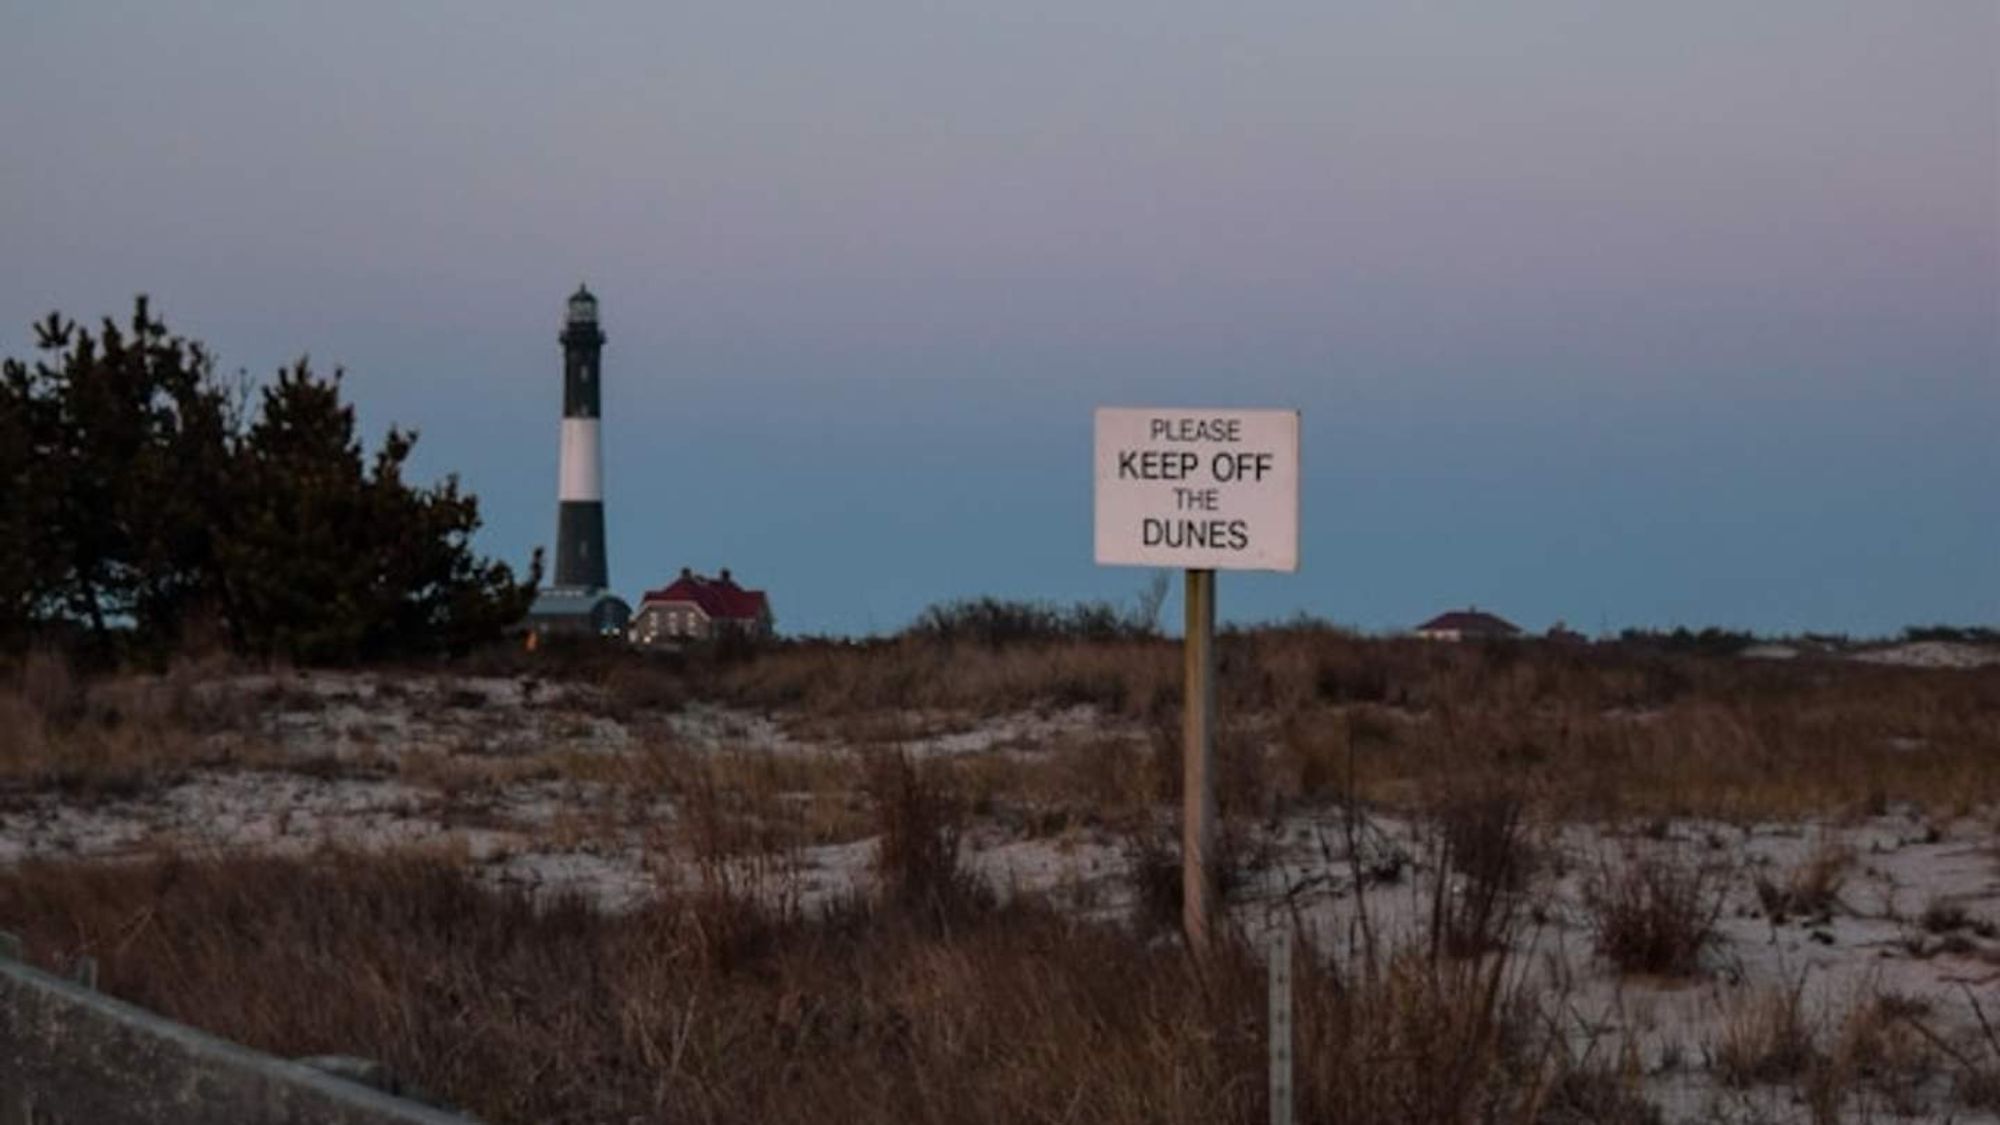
(1932,654)
(343,744)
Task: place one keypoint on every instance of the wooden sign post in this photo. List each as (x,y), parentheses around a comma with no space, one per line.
(1202,490)
(1198,890)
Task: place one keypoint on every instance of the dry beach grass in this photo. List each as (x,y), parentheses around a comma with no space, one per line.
(1504,864)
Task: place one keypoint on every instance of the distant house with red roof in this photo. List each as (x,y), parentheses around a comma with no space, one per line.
(1469,624)
(697,608)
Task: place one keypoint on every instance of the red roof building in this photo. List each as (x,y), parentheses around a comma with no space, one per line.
(1469,624)
(696,608)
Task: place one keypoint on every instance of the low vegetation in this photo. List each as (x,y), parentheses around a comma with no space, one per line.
(1809,892)
(922,990)
(917,1003)
(1654,912)
(1608,731)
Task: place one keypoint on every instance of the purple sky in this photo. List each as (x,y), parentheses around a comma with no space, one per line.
(1622,314)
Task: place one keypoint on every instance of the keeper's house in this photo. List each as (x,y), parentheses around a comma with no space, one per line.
(577,612)
(696,608)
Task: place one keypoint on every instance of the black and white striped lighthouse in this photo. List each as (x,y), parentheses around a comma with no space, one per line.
(580,562)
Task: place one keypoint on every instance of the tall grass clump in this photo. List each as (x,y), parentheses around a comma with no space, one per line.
(1811,890)
(525,1009)
(1484,862)
(111,734)
(1410,1038)
(1766,1038)
(1653,912)
(920,825)
(995,622)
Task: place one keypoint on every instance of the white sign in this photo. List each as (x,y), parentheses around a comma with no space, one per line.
(1198,489)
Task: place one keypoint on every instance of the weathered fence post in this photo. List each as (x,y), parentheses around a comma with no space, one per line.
(1280,969)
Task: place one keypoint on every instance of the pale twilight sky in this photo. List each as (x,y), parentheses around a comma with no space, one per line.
(1622,314)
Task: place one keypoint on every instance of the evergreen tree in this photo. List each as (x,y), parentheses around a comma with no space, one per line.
(116,452)
(331,560)
(24,556)
(137,502)
(295,561)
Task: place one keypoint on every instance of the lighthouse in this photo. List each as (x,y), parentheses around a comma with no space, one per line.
(579,600)
(580,562)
